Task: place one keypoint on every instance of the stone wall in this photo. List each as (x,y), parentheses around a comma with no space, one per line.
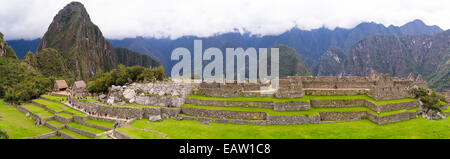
(82,132)
(290,106)
(62,119)
(157,94)
(342,116)
(363,102)
(229,103)
(126,112)
(64,135)
(346,116)
(223,114)
(288,120)
(330,92)
(45,136)
(337,103)
(120,135)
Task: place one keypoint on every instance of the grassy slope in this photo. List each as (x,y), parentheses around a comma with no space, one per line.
(74,134)
(301,99)
(55,98)
(103,123)
(55,123)
(38,110)
(60,105)
(312,111)
(17,125)
(85,128)
(411,129)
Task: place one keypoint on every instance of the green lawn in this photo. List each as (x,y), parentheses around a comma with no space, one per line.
(103,123)
(65,115)
(186,129)
(55,98)
(38,110)
(17,125)
(138,134)
(301,99)
(74,134)
(55,123)
(60,105)
(312,111)
(85,128)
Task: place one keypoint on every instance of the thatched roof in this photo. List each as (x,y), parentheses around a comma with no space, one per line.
(79,84)
(61,84)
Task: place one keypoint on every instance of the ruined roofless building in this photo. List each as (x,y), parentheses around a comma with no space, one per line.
(377,85)
(79,87)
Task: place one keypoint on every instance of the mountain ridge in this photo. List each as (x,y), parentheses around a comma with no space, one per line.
(81,43)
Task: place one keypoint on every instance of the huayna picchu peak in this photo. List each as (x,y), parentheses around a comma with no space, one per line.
(83,47)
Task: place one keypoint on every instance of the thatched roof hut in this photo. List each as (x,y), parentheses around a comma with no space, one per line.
(60,85)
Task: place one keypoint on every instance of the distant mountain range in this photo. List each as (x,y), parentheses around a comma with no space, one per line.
(428,55)
(373,46)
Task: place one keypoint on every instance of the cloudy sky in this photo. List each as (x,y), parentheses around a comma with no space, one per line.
(30,19)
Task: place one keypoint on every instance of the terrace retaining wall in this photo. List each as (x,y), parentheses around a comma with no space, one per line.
(82,132)
(120,135)
(223,113)
(45,136)
(64,135)
(288,120)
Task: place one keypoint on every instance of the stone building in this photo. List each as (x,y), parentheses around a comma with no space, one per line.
(60,85)
(79,87)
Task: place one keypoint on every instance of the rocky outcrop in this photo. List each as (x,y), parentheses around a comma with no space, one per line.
(156,94)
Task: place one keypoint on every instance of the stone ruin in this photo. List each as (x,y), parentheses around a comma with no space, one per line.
(377,85)
(155,94)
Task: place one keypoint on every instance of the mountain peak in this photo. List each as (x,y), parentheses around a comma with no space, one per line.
(81,43)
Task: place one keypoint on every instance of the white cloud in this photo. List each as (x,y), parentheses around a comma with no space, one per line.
(30,19)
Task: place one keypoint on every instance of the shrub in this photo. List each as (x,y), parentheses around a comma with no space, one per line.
(123,75)
(19,84)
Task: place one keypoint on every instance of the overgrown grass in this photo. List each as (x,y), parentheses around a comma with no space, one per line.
(41,112)
(85,128)
(312,111)
(186,129)
(74,134)
(103,123)
(17,125)
(301,99)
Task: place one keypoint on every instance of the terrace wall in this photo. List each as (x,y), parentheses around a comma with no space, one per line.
(288,120)
(224,114)
(45,136)
(120,135)
(345,116)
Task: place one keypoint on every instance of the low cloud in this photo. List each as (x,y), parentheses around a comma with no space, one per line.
(30,19)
